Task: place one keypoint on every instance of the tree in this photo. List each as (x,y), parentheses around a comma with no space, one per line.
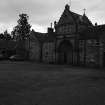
(7,36)
(2,36)
(22,30)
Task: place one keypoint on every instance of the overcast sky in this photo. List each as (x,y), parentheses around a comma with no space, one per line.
(43,12)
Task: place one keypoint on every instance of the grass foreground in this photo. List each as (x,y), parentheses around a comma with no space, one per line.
(24,83)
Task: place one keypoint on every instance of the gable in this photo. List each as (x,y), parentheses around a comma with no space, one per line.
(66,18)
(71,18)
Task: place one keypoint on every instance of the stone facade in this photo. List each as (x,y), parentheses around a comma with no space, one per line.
(49,52)
(67,31)
(92,42)
(34,46)
(74,40)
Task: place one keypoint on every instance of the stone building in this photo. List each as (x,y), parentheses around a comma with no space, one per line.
(35,45)
(92,46)
(41,46)
(74,40)
(67,31)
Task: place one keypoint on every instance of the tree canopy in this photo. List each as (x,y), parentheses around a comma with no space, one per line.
(22,30)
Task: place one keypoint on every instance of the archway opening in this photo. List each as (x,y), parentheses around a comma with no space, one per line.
(65,52)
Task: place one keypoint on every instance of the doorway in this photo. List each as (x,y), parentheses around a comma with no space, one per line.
(65,52)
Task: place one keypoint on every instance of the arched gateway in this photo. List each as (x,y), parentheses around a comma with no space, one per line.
(65,52)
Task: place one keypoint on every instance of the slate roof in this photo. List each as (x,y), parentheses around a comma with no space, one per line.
(38,36)
(93,32)
(68,17)
(42,37)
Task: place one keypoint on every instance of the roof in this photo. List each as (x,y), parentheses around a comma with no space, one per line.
(69,17)
(38,36)
(93,32)
(42,37)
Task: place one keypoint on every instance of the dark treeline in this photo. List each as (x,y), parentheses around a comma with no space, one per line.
(20,31)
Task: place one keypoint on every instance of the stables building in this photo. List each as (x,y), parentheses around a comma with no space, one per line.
(74,40)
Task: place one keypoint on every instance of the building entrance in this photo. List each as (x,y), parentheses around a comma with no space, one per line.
(65,52)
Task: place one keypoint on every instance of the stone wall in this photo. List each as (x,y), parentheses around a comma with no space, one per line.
(81,51)
(34,51)
(90,52)
(49,52)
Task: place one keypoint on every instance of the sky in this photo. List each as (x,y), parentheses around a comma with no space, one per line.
(42,12)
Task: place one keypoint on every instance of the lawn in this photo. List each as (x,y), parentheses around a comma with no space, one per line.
(24,83)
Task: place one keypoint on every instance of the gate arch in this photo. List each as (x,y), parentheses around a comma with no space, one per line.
(65,52)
